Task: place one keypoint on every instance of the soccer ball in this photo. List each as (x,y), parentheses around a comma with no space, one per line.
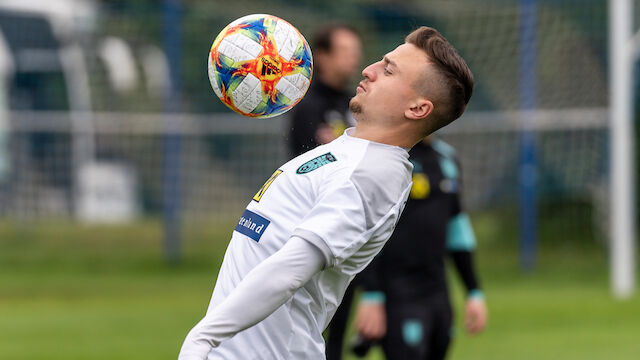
(260,66)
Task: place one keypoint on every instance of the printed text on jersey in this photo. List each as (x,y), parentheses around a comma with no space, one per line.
(252,225)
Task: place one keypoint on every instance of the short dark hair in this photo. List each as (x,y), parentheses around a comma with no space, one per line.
(455,76)
(322,41)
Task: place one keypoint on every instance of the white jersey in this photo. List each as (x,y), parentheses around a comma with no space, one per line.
(345,197)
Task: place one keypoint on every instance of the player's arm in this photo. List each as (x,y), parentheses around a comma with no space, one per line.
(371,317)
(273,282)
(461,244)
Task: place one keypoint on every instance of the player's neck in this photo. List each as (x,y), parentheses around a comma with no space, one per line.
(395,136)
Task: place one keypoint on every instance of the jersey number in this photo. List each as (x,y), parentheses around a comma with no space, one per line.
(266,185)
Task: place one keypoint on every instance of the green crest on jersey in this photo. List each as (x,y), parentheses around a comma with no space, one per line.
(315,163)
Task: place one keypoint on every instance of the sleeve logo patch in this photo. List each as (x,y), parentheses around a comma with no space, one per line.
(266,185)
(315,163)
(252,225)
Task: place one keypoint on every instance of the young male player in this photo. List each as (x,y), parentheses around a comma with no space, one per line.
(323,216)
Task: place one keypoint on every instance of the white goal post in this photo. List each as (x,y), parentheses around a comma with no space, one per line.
(622,52)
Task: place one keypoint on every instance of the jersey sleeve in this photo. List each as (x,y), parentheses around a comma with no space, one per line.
(461,240)
(273,282)
(457,209)
(337,221)
(460,235)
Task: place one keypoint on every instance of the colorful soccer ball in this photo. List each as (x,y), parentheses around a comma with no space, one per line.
(260,66)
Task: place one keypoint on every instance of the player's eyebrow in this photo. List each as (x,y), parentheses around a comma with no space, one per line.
(390,62)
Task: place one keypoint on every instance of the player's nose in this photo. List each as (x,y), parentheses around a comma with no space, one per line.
(369,72)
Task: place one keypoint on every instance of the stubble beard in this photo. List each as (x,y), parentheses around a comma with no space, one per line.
(355,106)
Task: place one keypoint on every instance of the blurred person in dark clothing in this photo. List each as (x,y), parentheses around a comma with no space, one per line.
(323,114)
(405,302)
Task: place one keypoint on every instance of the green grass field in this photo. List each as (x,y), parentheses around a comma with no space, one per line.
(99,292)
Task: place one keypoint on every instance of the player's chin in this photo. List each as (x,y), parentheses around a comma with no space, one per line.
(355,106)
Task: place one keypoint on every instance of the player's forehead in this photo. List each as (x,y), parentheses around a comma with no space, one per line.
(406,58)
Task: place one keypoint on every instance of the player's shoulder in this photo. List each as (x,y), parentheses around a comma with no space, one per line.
(318,163)
(383,158)
(357,160)
(383,166)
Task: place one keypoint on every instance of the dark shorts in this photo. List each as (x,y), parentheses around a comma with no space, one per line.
(418,330)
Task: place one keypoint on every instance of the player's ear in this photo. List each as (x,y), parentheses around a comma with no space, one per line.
(419,109)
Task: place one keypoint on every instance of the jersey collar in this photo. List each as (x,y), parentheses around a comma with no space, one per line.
(348,136)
